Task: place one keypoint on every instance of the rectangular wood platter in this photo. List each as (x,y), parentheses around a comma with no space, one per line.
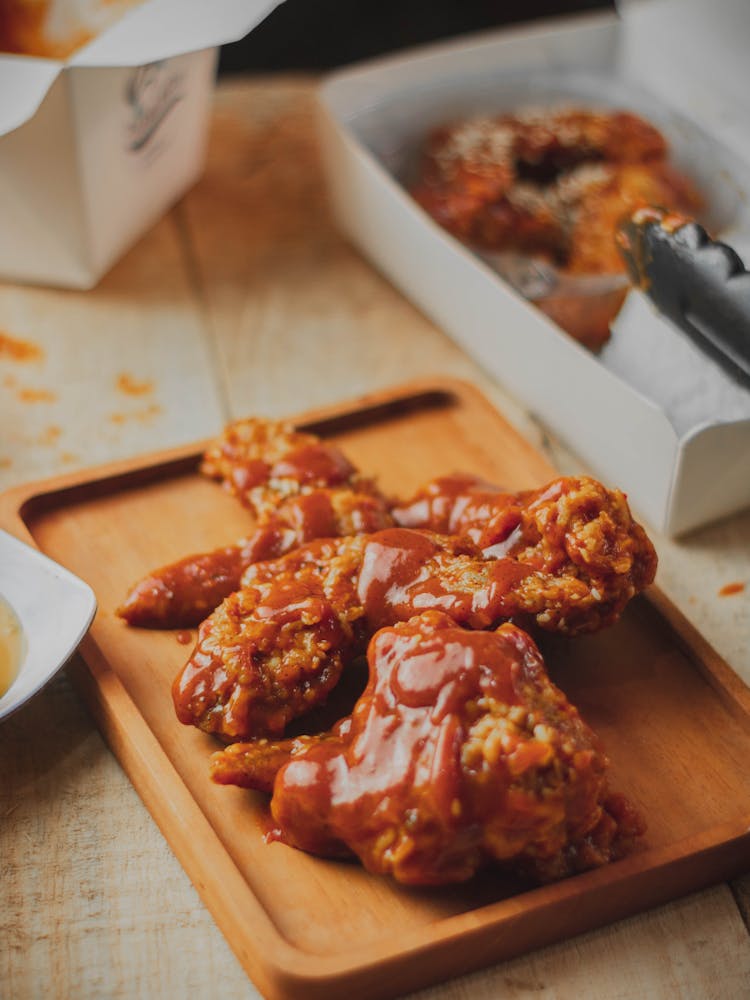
(673,716)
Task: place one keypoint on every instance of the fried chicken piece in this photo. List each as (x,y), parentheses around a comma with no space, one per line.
(552,184)
(460,504)
(275,648)
(183,593)
(573,528)
(469,185)
(264,462)
(464,168)
(512,181)
(593,247)
(255,764)
(459,752)
(559,138)
(299,487)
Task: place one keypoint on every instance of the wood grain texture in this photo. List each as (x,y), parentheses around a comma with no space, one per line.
(93,902)
(114,372)
(297,313)
(91,894)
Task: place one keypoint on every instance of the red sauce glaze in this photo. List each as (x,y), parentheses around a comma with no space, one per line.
(311,515)
(463,505)
(274,649)
(253,673)
(182,594)
(314,464)
(302,519)
(571,563)
(729,589)
(403,749)
(407,785)
(249,474)
(405,572)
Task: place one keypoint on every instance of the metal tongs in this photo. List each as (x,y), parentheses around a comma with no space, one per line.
(698,283)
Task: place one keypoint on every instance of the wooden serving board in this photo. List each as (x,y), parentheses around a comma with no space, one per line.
(673,716)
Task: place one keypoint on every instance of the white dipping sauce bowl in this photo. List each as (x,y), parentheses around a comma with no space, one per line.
(55,609)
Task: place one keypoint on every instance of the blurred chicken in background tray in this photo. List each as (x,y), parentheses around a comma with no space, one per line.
(539,194)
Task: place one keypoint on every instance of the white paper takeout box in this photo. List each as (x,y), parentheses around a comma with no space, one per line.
(373,119)
(94,149)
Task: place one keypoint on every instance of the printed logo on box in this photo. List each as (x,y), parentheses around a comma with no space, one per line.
(152,92)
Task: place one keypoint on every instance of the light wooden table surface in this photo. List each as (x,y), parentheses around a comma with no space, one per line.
(245,299)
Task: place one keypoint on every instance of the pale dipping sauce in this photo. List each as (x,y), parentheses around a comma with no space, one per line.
(11,646)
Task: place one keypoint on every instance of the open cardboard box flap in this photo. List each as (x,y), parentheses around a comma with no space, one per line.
(152,31)
(95,148)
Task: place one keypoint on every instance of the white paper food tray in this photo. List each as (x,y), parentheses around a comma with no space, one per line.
(95,148)
(373,119)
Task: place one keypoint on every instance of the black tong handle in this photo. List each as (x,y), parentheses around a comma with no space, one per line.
(699,283)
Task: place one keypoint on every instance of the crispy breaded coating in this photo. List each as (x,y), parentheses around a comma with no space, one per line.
(552,184)
(183,593)
(299,488)
(516,180)
(264,462)
(593,248)
(543,528)
(573,529)
(460,752)
(274,649)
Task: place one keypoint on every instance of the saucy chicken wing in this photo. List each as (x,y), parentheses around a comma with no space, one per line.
(183,593)
(299,487)
(593,244)
(264,462)
(552,184)
(274,649)
(459,752)
(510,163)
(520,181)
(573,528)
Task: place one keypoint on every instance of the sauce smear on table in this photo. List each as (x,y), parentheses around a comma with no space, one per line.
(11,646)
